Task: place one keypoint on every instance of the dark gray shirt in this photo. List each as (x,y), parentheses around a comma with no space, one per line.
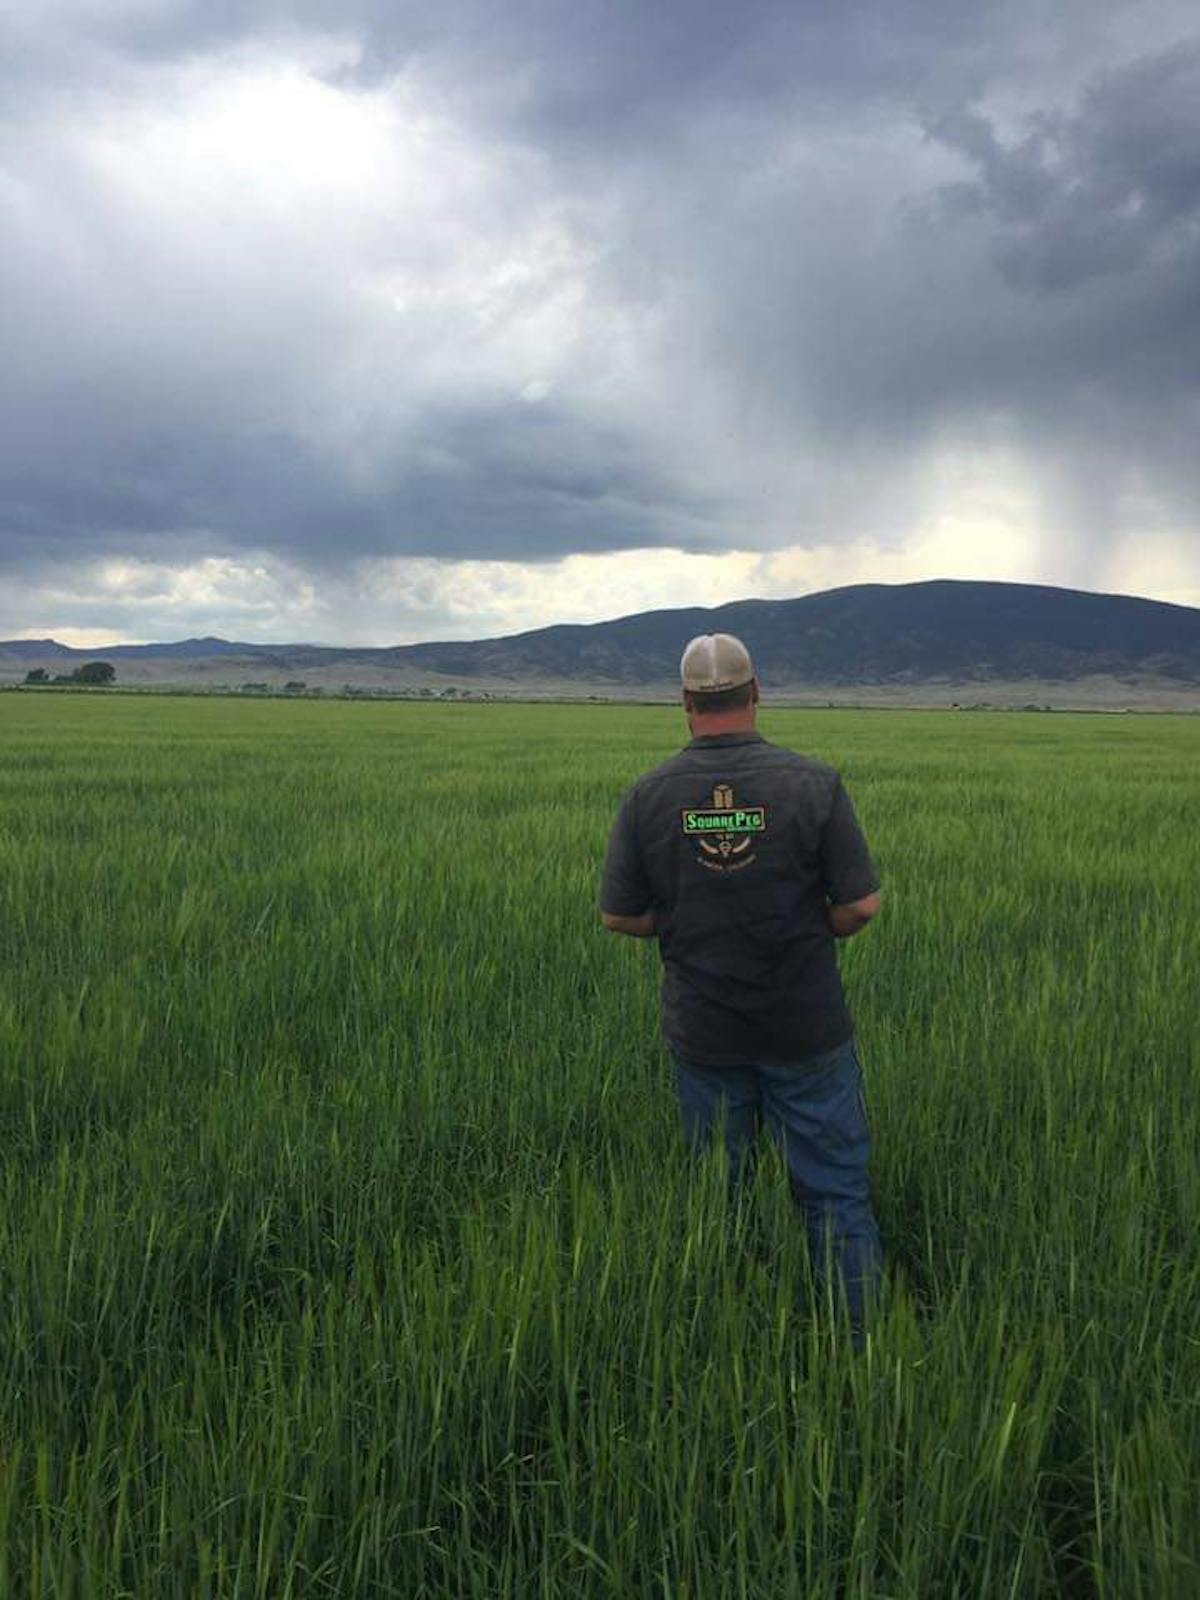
(738,846)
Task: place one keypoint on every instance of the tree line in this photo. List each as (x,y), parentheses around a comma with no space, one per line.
(93,673)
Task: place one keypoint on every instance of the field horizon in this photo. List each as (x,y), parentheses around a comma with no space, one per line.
(1098,694)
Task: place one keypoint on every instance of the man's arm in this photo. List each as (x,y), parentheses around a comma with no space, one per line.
(851,918)
(850,880)
(625,885)
(640,927)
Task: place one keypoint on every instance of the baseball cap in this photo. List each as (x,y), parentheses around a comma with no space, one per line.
(715,661)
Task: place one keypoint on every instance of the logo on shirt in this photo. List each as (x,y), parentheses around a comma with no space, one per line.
(724,831)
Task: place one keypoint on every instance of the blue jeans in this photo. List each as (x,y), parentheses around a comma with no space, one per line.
(817,1114)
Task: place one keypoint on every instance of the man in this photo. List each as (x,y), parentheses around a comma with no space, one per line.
(746,862)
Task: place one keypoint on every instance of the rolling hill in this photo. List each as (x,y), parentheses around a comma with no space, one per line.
(944,632)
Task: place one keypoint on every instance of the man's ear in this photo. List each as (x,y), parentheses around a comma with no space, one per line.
(754,691)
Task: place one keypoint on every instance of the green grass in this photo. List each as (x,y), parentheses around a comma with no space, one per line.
(347,1240)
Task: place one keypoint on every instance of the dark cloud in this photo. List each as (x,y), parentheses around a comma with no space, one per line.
(1110,189)
(677,275)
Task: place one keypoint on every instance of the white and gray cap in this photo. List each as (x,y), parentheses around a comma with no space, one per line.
(715,661)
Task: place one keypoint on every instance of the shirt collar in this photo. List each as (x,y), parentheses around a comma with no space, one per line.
(746,736)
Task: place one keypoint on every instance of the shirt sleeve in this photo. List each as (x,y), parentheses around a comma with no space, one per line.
(625,888)
(847,871)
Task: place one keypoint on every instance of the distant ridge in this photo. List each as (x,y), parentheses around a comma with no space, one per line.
(183,650)
(942,631)
(868,634)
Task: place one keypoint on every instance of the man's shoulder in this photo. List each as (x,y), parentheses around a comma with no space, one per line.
(814,775)
(797,761)
(792,767)
(672,767)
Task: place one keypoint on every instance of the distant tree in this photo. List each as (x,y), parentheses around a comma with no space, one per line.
(295,686)
(37,675)
(95,672)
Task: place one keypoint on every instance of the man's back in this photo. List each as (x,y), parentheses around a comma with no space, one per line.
(739,846)
(746,862)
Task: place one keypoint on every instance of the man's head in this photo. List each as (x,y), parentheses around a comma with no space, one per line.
(720,690)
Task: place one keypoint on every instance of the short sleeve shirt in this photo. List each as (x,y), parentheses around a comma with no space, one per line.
(739,846)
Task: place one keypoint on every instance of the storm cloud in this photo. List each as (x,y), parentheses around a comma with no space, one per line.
(376,302)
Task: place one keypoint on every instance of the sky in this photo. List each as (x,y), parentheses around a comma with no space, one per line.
(381,322)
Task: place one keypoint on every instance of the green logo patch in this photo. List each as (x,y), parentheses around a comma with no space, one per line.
(724,831)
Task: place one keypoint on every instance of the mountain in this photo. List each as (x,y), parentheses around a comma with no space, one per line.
(867,634)
(43,651)
(946,631)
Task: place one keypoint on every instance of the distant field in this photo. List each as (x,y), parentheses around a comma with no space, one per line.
(1143,692)
(348,1246)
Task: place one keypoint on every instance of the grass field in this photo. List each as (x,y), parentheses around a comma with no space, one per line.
(348,1245)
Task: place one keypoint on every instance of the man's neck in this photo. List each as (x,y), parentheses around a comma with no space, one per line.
(707,727)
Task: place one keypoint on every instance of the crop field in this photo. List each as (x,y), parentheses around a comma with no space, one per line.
(349,1244)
